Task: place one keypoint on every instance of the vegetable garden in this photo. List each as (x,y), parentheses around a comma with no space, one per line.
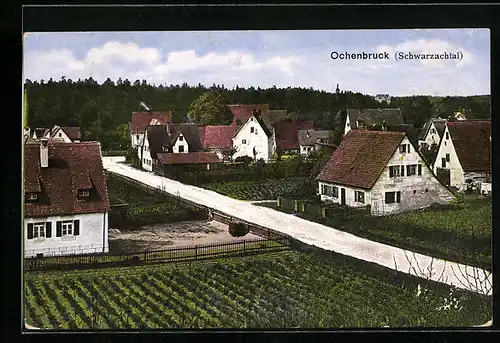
(279,290)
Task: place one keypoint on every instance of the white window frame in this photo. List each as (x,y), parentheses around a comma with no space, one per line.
(67,228)
(39,230)
(32,196)
(83,192)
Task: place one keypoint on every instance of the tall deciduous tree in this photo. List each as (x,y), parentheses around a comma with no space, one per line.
(210,109)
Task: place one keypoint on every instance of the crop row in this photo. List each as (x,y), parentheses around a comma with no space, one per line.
(289,289)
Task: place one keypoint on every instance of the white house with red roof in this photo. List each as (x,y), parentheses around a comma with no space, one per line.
(464,154)
(382,170)
(65,199)
(254,139)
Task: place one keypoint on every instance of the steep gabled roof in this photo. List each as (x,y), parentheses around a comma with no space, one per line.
(40,132)
(311,137)
(190,132)
(375,116)
(72,166)
(157,138)
(73,132)
(218,136)
(471,139)
(286,133)
(188,158)
(439,124)
(360,158)
(243,112)
(140,120)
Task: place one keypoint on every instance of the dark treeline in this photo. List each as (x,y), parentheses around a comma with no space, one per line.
(103,111)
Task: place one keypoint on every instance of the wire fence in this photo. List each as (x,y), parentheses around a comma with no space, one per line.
(77,260)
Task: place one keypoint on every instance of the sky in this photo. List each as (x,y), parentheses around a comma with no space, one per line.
(269,58)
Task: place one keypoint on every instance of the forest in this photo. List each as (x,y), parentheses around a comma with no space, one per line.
(103,111)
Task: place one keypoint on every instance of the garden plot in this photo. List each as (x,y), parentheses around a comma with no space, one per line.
(162,236)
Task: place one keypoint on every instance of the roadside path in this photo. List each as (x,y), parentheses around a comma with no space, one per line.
(325,237)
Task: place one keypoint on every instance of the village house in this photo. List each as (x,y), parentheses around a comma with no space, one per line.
(41,132)
(141,120)
(383,97)
(363,119)
(66,134)
(382,170)
(431,133)
(169,138)
(286,135)
(65,199)
(464,155)
(311,140)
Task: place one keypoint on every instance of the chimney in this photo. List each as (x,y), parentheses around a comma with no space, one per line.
(44,152)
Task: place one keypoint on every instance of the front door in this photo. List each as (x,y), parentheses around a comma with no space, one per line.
(342,196)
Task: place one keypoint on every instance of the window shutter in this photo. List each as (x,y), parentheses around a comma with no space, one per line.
(408,148)
(408,170)
(419,169)
(58,229)
(48,229)
(76,227)
(30,231)
(402,170)
(391,172)
(398,197)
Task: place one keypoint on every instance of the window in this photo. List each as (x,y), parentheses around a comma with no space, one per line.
(39,230)
(359,123)
(443,162)
(243,141)
(411,169)
(447,157)
(447,135)
(419,170)
(252,130)
(68,228)
(83,192)
(181,138)
(394,171)
(60,134)
(326,190)
(255,131)
(402,148)
(335,192)
(137,137)
(31,196)
(145,161)
(433,130)
(181,148)
(392,197)
(359,196)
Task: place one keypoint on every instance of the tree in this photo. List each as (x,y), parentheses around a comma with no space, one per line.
(210,109)
(238,229)
(429,154)
(228,153)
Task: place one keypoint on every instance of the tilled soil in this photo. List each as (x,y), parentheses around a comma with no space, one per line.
(161,236)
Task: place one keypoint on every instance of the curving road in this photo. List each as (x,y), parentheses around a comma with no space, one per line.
(325,237)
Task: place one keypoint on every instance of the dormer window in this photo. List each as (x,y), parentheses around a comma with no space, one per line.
(83,193)
(31,196)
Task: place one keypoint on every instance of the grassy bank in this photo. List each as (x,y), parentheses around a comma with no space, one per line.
(459,232)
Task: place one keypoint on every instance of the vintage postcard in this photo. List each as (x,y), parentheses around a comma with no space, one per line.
(257,179)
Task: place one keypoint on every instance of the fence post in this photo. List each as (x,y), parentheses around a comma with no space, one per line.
(196,252)
(303,206)
(278,202)
(244,247)
(296,206)
(323,212)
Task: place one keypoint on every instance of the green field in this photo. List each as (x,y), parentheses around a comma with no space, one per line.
(461,232)
(145,208)
(264,189)
(280,290)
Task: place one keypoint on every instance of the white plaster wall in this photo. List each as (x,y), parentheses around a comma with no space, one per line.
(258,140)
(347,127)
(349,195)
(457,178)
(413,188)
(63,136)
(431,138)
(146,154)
(179,143)
(93,236)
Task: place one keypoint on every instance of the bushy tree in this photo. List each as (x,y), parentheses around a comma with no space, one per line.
(238,229)
(210,109)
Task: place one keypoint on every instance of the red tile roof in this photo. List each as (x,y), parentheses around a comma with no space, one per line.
(188,158)
(243,112)
(72,166)
(287,133)
(471,139)
(218,136)
(140,120)
(360,158)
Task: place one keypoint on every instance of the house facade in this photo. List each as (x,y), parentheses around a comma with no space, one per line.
(311,140)
(254,139)
(286,135)
(383,97)
(431,133)
(66,134)
(382,170)
(464,155)
(357,119)
(66,199)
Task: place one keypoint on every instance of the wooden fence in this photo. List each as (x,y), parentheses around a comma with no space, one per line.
(173,254)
